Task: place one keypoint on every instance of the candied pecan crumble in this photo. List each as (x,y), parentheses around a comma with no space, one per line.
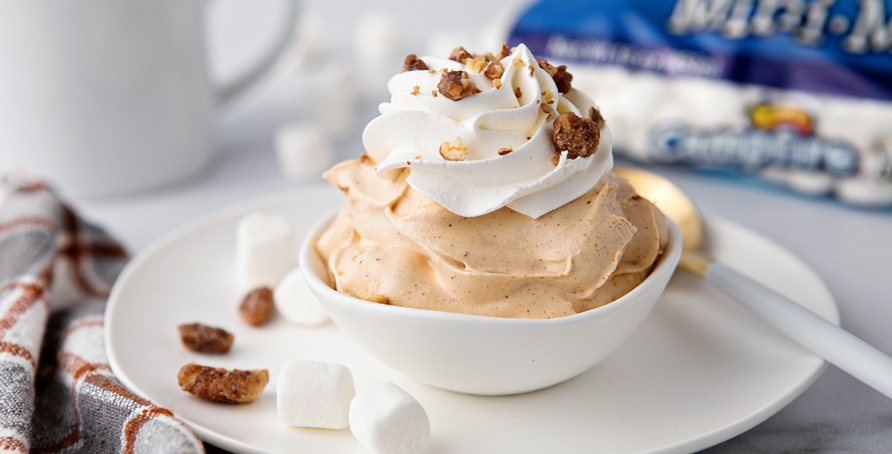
(217,384)
(413,63)
(434,93)
(504,151)
(517,93)
(257,307)
(497,83)
(532,70)
(476,64)
(517,62)
(454,151)
(577,135)
(561,77)
(494,71)
(548,67)
(595,115)
(556,159)
(459,54)
(205,339)
(504,52)
(456,85)
(548,96)
(416,90)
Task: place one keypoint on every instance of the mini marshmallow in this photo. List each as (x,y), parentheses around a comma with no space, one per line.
(314,394)
(387,420)
(303,149)
(264,250)
(377,39)
(296,303)
(812,183)
(864,191)
(336,96)
(311,39)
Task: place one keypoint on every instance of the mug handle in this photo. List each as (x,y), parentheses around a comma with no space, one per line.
(225,92)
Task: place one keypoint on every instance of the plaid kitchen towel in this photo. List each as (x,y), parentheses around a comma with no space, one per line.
(57,393)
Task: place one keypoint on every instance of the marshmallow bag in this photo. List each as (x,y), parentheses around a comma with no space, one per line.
(796,92)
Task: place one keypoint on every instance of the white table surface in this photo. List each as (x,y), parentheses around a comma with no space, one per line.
(850,248)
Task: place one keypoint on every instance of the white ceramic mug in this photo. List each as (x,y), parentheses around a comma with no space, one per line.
(109,96)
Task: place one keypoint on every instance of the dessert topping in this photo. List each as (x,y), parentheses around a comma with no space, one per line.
(595,115)
(456,85)
(413,63)
(577,136)
(476,64)
(459,54)
(560,75)
(513,111)
(494,71)
(454,151)
(504,51)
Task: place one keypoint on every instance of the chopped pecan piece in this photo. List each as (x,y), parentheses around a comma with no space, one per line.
(517,92)
(494,71)
(504,51)
(497,83)
(459,54)
(517,62)
(488,56)
(476,64)
(504,151)
(454,151)
(576,135)
(456,85)
(595,115)
(257,307)
(221,385)
(413,63)
(416,90)
(548,97)
(548,67)
(561,77)
(205,339)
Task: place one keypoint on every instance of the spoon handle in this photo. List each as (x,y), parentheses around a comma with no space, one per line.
(836,345)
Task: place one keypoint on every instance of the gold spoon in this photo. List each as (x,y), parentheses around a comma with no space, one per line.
(823,338)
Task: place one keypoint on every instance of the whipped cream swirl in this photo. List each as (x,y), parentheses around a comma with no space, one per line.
(414,124)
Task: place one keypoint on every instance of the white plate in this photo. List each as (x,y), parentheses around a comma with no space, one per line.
(699,371)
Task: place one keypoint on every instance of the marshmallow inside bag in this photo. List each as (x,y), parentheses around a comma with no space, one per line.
(296,303)
(264,250)
(303,149)
(314,394)
(387,420)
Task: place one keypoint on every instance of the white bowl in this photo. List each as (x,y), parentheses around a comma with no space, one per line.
(476,354)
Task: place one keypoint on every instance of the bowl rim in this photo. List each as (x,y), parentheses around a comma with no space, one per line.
(666,263)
